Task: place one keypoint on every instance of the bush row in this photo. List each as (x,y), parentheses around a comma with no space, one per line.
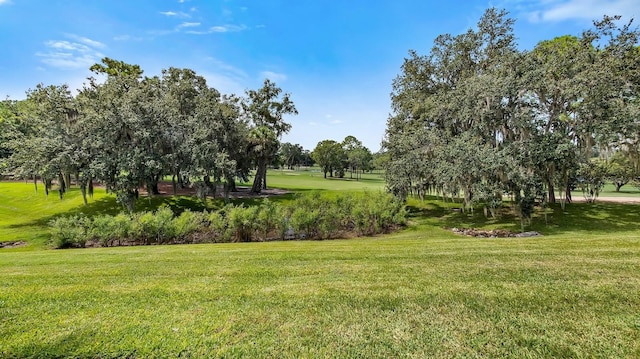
(309,216)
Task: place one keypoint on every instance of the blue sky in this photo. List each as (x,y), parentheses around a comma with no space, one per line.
(337,58)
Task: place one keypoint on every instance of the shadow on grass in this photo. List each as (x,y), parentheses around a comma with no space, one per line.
(594,218)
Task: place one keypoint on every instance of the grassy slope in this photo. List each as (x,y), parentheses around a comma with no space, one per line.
(414,294)
(419,293)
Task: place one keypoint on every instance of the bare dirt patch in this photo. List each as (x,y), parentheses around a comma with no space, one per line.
(627,200)
(14,244)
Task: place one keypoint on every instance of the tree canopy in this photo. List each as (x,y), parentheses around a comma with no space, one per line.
(130,131)
(478,116)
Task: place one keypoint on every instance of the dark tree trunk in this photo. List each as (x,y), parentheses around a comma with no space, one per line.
(231,184)
(61,185)
(568,194)
(90,187)
(152,185)
(67,180)
(259,180)
(552,193)
(83,189)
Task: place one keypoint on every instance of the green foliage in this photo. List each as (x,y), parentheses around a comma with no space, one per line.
(330,156)
(479,117)
(69,232)
(591,179)
(311,216)
(109,229)
(187,223)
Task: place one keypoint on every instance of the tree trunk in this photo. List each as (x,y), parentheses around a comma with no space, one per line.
(83,189)
(618,185)
(552,194)
(259,181)
(67,180)
(91,187)
(61,185)
(35,182)
(568,194)
(231,184)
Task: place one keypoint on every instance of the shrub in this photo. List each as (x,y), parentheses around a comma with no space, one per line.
(218,225)
(310,216)
(242,222)
(187,223)
(69,232)
(155,227)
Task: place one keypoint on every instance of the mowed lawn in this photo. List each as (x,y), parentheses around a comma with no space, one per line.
(422,292)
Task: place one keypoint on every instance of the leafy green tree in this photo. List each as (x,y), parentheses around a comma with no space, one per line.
(329,155)
(266,108)
(478,116)
(291,154)
(620,170)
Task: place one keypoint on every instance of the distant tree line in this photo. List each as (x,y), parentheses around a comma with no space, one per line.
(131,131)
(334,158)
(479,117)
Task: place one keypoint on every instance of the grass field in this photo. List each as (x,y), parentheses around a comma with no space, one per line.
(422,292)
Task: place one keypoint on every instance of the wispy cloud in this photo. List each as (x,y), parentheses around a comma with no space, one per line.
(87,41)
(81,53)
(224,77)
(274,76)
(188,24)
(560,10)
(5,2)
(174,13)
(219,29)
(336,122)
(127,38)
(228,28)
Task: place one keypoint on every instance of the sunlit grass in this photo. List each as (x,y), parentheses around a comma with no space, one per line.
(414,294)
(421,292)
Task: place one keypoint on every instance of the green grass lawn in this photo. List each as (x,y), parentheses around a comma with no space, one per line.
(414,294)
(421,292)
(313,179)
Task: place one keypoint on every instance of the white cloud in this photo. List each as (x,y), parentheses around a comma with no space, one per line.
(87,41)
(3,2)
(218,29)
(188,24)
(126,38)
(173,13)
(81,53)
(336,122)
(559,10)
(273,76)
(228,28)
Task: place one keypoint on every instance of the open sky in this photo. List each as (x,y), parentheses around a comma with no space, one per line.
(337,58)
